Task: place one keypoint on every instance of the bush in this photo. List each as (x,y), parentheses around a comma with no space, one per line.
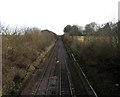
(20,51)
(99,59)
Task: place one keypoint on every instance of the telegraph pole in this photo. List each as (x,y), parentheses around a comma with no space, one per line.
(119,24)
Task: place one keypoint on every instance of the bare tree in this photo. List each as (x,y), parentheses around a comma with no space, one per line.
(4,29)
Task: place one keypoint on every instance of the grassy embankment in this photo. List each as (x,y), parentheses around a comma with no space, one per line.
(21,55)
(99,57)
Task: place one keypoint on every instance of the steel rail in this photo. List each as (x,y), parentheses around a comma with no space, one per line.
(45,70)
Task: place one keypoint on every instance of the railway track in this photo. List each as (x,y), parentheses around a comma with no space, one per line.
(56,76)
(78,66)
(59,77)
(68,84)
(42,86)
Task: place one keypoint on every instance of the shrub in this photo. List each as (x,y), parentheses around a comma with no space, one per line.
(20,51)
(99,59)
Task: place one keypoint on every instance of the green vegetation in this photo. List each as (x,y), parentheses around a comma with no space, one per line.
(23,51)
(98,54)
(73,30)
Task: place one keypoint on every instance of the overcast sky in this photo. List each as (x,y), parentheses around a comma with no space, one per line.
(56,14)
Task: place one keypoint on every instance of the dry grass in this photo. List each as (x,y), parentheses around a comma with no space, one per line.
(19,54)
(99,57)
